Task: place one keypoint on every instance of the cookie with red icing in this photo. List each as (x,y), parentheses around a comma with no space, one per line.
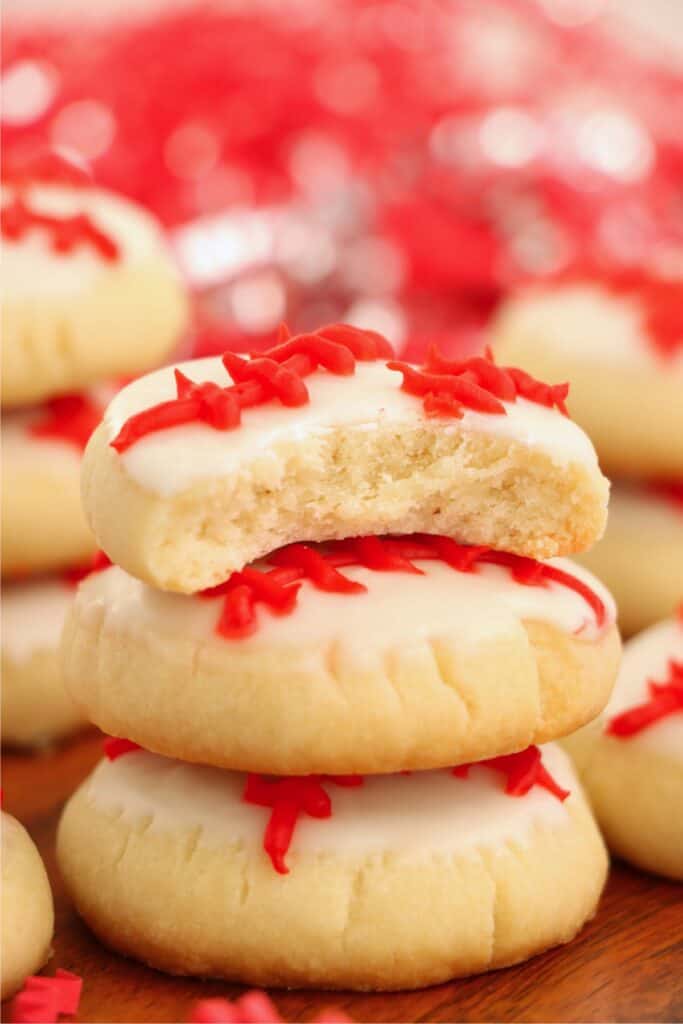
(89,290)
(368,655)
(36,709)
(199,469)
(631,758)
(619,339)
(26,915)
(43,526)
(384,882)
(640,558)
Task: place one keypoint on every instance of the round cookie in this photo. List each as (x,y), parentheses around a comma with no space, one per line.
(89,290)
(36,709)
(621,346)
(412,880)
(27,914)
(640,558)
(43,526)
(184,482)
(631,758)
(440,658)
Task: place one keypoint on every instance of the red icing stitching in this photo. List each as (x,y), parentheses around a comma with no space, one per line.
(449,387)
(289,798)
(522,771)
(278,588)
(66,233)
(276,375)
(254,1007)
(115,747)
(43,999)
(660,299)
(665,698)
(70,418)
(98,562)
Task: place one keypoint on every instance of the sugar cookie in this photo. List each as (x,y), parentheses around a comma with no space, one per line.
(640,558)
(414,671)
(88,290)
(412,880)
(36,709)
(43,526)
(185,482)
(631,758)
(27,914)
(622,349)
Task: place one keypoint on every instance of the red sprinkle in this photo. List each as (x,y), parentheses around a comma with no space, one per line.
(276,375)
(254,1007)
(278,588)
(43,999)
(114,747)
(448,387)
(17,218)
(665,698)
(522,771)
(70,418)
(670,490)
(289,798)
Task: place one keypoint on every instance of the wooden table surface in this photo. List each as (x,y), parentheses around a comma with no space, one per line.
(627,964)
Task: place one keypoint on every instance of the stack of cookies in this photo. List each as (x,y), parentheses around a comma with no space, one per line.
(326,653)
(89,294)
(619,338)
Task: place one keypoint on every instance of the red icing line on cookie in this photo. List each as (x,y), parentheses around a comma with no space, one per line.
(665,698)
(47,166)
(70,418)
(42,999)
(254,1007)
(66,233)
(115,747)
(98,562)
(448,387)
(277,588)
(522,771)
(670,490)
(276,375)
(289,798)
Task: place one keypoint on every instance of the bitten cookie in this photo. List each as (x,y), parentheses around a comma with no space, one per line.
(640,558)
(27,914)
(36,709)
(384,883)
(43,526)
(371,655)
(631,758)
(620,343)
(191,476)
(89,290)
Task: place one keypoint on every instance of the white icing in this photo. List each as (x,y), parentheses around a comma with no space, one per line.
(170,461)
(589,322)
(646,657)
(413,815)
(31,267)
(398,608)
(24,451)
(639,511)
(32,617)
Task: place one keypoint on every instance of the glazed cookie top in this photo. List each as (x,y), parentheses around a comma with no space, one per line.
(646,707)
(58,238)
(206,418)
(414,815)
(347,593)
(655,509)
(33,615)
(632,323)
(52,435)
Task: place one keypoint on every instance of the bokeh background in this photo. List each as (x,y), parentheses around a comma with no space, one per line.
(396,163)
